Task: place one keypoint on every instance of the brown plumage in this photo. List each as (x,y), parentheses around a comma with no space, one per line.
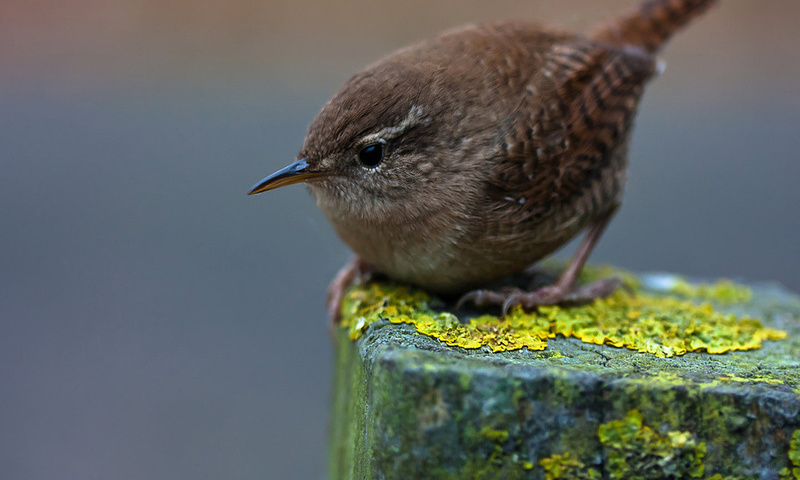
(469,156)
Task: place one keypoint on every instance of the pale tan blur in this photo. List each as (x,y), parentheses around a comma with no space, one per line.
(301,42)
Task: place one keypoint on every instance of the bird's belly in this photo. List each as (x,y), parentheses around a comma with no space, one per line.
(411,255)
(467,269)
(450,262)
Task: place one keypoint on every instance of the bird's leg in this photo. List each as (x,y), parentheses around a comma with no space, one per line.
(355,270)
(563,290)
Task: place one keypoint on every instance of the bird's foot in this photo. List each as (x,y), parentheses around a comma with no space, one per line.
(356,270)
(556,294)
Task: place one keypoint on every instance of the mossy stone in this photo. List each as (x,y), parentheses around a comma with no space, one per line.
(409,406)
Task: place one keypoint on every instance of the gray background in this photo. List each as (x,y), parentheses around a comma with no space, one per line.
(156,323)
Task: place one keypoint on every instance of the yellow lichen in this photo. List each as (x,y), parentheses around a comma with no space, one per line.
(723,291)
(794,453)
(592,273)
(635,451)
(794,457)
(662,325)
(567,466)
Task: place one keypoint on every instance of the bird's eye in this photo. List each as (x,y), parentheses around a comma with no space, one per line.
(371,155)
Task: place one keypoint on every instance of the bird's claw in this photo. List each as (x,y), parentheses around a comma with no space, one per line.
(511,297)
(482,297)
(355,270)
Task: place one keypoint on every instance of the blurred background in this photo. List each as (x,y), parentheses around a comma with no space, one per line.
(157,323)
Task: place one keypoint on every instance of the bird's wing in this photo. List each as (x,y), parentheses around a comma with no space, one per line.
(576,110)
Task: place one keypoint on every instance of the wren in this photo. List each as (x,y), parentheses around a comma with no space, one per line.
(469,156)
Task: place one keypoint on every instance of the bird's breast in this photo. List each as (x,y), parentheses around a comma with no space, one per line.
(420,252)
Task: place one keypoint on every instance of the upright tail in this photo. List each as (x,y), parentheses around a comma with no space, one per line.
(651,24)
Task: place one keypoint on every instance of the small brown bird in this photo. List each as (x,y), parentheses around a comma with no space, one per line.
(467,157)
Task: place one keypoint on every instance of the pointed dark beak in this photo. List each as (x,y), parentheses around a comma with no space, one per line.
(295,173)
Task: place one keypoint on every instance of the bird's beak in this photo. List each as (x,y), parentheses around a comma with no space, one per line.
(295,173)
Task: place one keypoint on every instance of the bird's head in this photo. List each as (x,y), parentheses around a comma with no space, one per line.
(385,146)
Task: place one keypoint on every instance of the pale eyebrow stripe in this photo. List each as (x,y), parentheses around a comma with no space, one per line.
(414,116)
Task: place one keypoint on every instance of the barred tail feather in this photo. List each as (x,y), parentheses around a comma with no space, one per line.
(651,24)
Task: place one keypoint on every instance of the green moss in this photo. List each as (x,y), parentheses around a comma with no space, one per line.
(736,378)
(500,436)
(634,451)
(498,464)
(662,325)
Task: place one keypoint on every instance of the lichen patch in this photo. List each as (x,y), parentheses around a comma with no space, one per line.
(663,325)
(635,451)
